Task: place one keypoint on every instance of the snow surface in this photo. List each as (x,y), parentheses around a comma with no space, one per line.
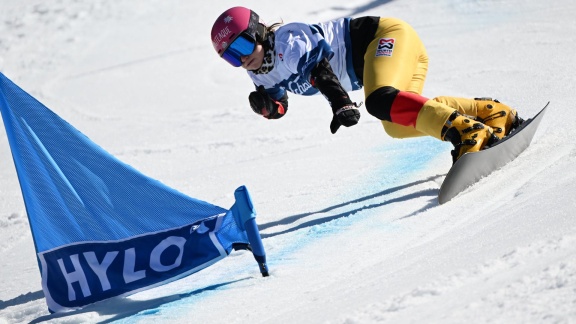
(350,221)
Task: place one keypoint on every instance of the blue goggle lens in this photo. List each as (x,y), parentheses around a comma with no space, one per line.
(243,45)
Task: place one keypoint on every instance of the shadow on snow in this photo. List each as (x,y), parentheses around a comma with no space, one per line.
(292,219)
(22,299)
(358,10)
(122,307)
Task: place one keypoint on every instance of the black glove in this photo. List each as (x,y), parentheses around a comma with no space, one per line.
(348,115)
(263,105)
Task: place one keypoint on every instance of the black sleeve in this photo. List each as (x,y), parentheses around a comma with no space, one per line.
(362,32)
(323,78)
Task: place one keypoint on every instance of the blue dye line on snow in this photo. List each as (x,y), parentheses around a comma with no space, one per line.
(401,159)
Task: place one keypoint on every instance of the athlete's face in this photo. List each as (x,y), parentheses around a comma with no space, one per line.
(254,60)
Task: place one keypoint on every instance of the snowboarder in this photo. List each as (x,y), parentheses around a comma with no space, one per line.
(385,56)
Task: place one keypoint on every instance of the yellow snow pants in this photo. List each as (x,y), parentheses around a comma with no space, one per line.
(401,61)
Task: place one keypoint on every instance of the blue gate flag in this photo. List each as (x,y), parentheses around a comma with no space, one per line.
(101,228)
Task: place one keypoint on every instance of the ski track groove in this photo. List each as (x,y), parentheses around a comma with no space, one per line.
(544,276)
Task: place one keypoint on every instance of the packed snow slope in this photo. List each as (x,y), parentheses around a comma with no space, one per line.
(350,221)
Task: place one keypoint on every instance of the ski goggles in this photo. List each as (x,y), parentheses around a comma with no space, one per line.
(243,45)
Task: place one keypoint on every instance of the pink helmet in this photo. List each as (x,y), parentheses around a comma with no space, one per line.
(231,24)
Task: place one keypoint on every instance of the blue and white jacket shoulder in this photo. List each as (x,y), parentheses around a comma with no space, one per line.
(299,47)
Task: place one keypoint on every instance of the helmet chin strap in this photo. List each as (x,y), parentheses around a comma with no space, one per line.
(261,33)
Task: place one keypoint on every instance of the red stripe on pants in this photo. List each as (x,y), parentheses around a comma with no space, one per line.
(406,107)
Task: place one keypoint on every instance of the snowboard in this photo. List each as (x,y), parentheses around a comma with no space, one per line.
(471,167)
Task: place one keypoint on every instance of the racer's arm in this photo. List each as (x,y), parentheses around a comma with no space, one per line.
(345,111)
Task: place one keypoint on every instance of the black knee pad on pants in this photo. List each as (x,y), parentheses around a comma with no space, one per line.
(379,102)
